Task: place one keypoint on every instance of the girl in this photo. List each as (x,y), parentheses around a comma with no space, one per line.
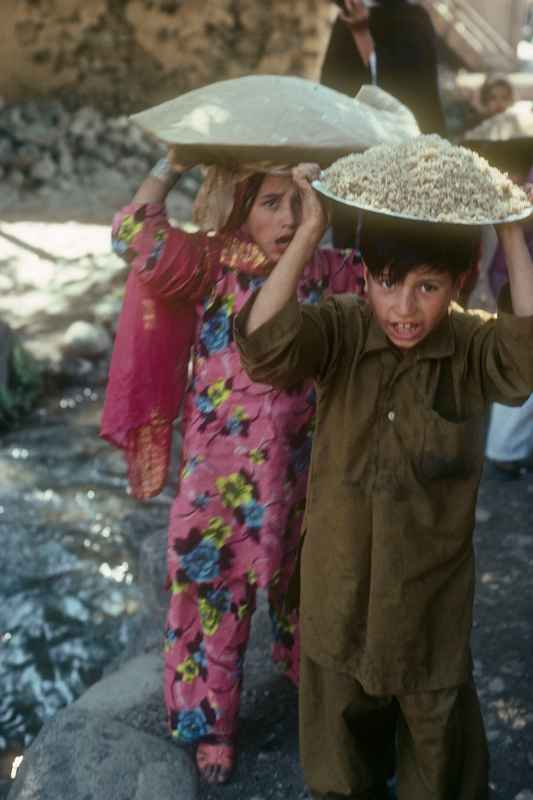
(235,522)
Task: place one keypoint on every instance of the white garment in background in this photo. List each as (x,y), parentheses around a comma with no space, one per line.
(510,436)
(373,67)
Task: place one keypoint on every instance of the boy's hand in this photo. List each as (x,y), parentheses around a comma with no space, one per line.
(355,13)
(528,189)
(314,217)
(507,228)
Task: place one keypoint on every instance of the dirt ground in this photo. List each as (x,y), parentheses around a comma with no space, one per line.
(268,766)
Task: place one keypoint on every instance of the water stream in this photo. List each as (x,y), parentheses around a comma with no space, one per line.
(70,538)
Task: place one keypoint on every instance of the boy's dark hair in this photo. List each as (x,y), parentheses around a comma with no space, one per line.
(491,83)
(398,246)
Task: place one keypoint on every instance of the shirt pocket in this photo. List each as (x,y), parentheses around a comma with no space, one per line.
(449,449)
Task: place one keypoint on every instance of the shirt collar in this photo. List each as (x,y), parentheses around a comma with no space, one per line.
(439,344)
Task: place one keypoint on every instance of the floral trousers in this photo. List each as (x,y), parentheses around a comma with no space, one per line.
(207,631)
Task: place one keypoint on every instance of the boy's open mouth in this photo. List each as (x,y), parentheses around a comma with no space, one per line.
(405,330)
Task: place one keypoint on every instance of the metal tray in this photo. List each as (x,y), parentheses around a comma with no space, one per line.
(319,186)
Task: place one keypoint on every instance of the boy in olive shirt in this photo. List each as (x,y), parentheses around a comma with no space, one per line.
(387,572)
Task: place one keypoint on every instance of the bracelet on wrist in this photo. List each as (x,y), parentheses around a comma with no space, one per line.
(164,171)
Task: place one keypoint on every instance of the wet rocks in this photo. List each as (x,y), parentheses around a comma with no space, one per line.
(86,340)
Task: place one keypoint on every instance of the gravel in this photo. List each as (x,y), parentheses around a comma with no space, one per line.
(426,178)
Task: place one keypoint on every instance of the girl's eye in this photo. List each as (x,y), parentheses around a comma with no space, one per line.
(427,288)
(271,202)
(387,283)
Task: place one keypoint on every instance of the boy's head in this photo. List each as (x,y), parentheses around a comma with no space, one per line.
(413,270)
(496,95)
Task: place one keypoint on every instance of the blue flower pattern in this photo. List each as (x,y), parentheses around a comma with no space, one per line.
(253,514)
(215,332)
(202,563)
(191,725)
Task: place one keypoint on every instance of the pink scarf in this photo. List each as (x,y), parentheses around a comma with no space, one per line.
(147,380)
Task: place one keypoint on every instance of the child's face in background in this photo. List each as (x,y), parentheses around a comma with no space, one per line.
(499,99)
(408,311)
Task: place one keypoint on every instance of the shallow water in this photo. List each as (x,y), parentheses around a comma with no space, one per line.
(70,537)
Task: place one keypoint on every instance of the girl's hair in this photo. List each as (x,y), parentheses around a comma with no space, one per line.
(245,193)
(400,246)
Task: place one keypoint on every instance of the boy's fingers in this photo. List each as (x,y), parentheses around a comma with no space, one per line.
(306,172)
(528,189)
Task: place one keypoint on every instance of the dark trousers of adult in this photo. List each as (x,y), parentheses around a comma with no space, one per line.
(351,742)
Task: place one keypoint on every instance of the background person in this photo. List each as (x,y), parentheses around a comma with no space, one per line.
(391,44)
(509,446)
(496,95)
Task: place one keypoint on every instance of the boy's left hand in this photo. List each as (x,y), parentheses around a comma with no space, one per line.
(528,189)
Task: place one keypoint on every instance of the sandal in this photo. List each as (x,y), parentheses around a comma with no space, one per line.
(215,760)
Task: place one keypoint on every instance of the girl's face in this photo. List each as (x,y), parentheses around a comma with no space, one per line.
(408,311)
(274,215)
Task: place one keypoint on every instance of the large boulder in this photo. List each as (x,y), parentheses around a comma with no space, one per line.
(109,745)
(80,756)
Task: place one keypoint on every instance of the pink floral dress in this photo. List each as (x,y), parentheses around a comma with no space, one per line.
(235,522)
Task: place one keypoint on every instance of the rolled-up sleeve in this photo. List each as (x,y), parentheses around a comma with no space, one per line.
(171,263)
(297,343)
(501,355)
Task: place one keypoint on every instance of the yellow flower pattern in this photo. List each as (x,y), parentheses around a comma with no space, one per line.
(257,456)
(209,617)
(235,490)
(188,669)
(129,229)
(217,531)
(218,392)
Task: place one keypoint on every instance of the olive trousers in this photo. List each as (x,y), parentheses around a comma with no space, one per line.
(351,742)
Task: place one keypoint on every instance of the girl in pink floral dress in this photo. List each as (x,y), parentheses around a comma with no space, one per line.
(235,522)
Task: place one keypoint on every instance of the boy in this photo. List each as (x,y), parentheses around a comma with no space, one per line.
(387,573)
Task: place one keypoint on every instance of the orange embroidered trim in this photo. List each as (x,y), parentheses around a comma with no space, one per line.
(149,456)
(243,256)
(148,312)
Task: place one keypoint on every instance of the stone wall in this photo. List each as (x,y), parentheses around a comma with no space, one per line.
(124,55)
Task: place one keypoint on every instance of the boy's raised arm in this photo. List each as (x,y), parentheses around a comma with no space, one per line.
(281,284)
(501,353)
(520,268)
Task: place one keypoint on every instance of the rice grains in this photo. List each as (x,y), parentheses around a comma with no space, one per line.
(427,178)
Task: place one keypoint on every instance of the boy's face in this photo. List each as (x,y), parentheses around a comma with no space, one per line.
(408,311)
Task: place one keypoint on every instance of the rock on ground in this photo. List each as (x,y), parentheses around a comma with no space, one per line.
(94,750)
(81,756)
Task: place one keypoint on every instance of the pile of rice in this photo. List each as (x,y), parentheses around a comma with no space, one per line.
(426,178)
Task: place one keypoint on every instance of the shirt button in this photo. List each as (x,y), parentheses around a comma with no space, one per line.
(390,416)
